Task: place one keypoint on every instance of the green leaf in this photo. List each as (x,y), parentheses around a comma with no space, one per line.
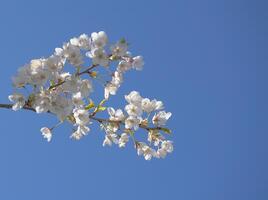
(90,105)
(101,108)
(122,40)
(166,130)
(52,83)
(102,102)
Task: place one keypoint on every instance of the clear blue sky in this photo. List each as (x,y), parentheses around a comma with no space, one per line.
(207,60)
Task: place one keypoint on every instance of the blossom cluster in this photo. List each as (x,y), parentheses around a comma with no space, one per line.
(137,115)
(62,84)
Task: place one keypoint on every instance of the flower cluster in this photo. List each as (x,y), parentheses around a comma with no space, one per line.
(137,115)
(62,84)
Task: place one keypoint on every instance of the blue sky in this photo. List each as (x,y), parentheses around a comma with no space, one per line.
(207,60)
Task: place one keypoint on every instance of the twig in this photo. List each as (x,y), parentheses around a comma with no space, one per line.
(100,120)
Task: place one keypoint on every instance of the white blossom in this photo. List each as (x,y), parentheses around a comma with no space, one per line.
(133,110)
(115,115)
(22,77)
(150,106)
(120,48)
(99,57)
(138,63)
(167,145)
(77,99)
(47,134)
(80,132)
(50,88)
(146,151)
(38,75)
(81,116)
(61,106)
(72,84)
(83,42)
(110,89)
(42,102)
(18,100)
(123,66)
(71,53)
(161,153)
(123,140)
(86,87)
(54,63)
(155,137)
(110,139)
(132,122)
(161,118)
(99,39)
(134,98)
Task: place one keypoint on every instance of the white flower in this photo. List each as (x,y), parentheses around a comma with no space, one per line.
(146,151)
(77,99)
(123,140)
(110,139)
(80,132)
(99,57)
(18,100)
(120,48)
(167,145)
(71,53)
(99,39)
(161,118)
(123,66)
(107,141)
(61,106)
(82,42)
(158,105)
(138,63)
(42,102)
(147,105)
(22,77)
(161,153)
(47,134)
(72,84)
(81,116)
(115,115)
(132,122)
(155,137)
(110,89)
(38,75)
(54,63)
(117,78)
(86,87)
(133,110)
(150,106)
(134,98)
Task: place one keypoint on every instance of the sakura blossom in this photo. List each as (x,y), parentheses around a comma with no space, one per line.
(63,85)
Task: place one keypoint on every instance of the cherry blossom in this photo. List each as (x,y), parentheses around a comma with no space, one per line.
(62,85)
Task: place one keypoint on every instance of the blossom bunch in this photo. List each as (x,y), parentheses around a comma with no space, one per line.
(62,84)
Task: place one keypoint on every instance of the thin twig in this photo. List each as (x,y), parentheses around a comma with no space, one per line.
(86,71)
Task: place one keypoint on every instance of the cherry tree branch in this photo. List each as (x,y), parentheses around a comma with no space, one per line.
(86,71)
(100,120)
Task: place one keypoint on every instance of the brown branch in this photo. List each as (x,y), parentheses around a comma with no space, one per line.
(100,120)
(9,106)
(86,71)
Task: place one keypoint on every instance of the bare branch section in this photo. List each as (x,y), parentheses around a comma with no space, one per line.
(9,106)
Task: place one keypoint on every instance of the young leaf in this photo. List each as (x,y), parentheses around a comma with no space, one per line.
(166,130)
